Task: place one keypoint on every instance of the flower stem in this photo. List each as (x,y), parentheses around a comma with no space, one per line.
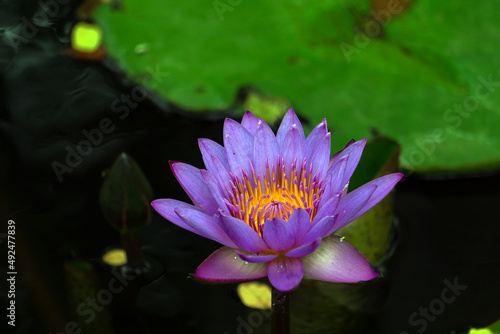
(280,323)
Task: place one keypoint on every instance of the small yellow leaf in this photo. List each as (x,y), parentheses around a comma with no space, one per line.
(115,257)
(86,37)
(255,295)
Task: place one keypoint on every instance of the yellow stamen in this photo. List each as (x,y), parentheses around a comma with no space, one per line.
(254,200)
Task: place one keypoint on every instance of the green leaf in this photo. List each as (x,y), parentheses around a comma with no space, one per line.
(405,82)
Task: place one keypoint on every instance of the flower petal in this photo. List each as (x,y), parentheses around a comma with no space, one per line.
(221,174)
(292,151)
(337,172)
(206,224)
(354,152)
(334,156)
(193,184)
(249,122)
(224,266)
(383,186)
(319,230)
(210,148)
(278,234)
(166,208)
(218,193)
(239,161)
(314,138)
(242,234)
(321,157)
(285,273)
(240,134)
(327,209)
(353,203)
(337,261)
(304,250)
(300,222)
(265,149)
(256,258)
(289,119)
(328,193)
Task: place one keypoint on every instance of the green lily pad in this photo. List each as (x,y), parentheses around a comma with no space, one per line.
(429,78)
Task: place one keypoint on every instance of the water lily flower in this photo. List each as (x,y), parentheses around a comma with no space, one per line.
(274,202)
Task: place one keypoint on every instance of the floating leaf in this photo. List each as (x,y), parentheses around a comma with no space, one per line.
(405,81)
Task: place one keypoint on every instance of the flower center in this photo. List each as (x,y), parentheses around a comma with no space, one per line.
(254,200)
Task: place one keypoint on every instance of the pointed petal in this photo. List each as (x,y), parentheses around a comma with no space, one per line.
(256,258)
(278,234)
(292,151)
(383,186)
(215,189)
(354,152)
(221,174)
(285,273)
(328,193)
(321,157)
(205,224)
(208,148)
(338,261)
(237,158)
(289,119)
(334,157)
(241,135)
(166,208)
(337,172)
(225,266)
(314,138)
(265,149)
(319,230)
(353,203)
(304,250)
(242,234)
(193,184)
(249,122)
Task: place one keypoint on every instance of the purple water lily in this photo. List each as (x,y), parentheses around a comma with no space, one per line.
(274,202)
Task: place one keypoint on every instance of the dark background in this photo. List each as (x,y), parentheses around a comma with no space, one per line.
(447,226)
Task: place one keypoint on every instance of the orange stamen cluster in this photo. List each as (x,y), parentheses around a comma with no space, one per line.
(254,200)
